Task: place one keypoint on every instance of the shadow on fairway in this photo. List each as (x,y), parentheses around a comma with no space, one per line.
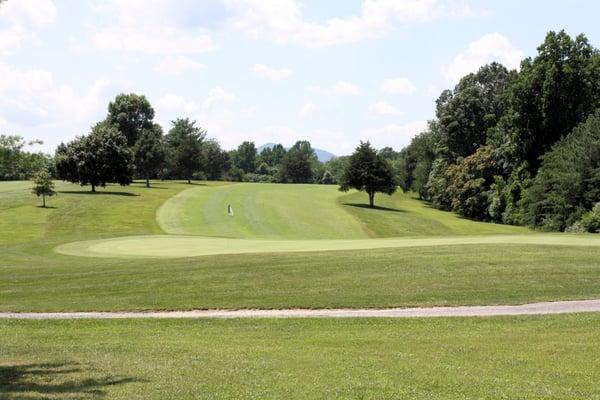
(47,207)
(376,207)
(54,381)
(99,193)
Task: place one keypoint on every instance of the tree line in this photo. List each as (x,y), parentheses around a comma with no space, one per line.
(129,145)
(516,147)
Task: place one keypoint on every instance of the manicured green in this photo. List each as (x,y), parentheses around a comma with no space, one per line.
(550,357)
(33,277)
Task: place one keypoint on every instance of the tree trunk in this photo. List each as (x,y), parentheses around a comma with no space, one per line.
(147,182)
(371,200)
(93,188)
(189,181)
(44,200)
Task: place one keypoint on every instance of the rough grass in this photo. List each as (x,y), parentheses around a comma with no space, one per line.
(550,357)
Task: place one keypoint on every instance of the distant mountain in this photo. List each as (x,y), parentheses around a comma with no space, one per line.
(322,155)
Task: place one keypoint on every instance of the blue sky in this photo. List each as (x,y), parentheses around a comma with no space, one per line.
(333,72)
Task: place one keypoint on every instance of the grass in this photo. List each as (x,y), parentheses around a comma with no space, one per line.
(35,278)
(549,357)
(275,211)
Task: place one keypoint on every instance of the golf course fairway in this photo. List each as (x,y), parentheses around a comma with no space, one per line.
(270,218)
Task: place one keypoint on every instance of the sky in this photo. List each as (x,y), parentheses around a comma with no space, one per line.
(333,72)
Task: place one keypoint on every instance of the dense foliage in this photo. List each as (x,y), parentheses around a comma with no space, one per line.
(504,145)
(368,171)
(18,164)
(96,159)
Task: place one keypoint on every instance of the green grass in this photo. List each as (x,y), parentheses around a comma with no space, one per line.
(550,357)
(445,275)
(275,211)
(35,278)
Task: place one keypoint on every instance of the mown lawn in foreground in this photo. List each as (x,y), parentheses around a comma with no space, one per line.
(445,275)
(549,357)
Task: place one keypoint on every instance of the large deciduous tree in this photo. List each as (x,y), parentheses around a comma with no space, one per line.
(149,153)
(131,114)
(99,158)
(369,172)
(553,93)
(467,113)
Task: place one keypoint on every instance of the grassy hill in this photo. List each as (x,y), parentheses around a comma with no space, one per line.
(33,277)
(277,211)
(524,357)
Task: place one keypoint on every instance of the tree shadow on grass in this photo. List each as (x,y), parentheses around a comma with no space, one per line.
(193,184)
(54,381)
(47,207)
(99,193)
(376,207)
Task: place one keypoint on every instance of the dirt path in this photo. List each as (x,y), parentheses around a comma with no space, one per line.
(557,307)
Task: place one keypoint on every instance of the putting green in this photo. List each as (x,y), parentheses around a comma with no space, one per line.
(172,246)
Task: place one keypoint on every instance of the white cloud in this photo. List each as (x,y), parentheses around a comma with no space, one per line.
(488,48)
(398,86)
(34,97)
(213,114)
(154,27)
(274,74)
(19,20)
(307,110)
(282,21)
(217,96)
(176,65)
(341,88)
(395,135)
(383,108)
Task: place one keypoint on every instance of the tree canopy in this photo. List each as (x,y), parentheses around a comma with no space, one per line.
(131,114)
(96,159)
(369,172)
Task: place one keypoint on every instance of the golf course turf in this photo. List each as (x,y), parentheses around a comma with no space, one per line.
(436,259)
(451,261)
(545,357)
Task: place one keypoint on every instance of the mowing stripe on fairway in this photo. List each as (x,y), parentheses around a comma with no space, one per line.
(173,246)
(555,307)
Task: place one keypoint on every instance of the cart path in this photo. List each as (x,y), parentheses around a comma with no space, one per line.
(556,307)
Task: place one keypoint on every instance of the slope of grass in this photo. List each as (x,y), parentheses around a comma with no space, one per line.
(275,211)
(551,357)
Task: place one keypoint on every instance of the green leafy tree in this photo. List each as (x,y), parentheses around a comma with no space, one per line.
(43,186)
(149,153)
(131,114)
(566,185)
(99,158)
(467,113)
(369,172)
(217,159)
(245,157)
(553,93)
(297,164)
(185,141)
(18,164)
(272,156)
